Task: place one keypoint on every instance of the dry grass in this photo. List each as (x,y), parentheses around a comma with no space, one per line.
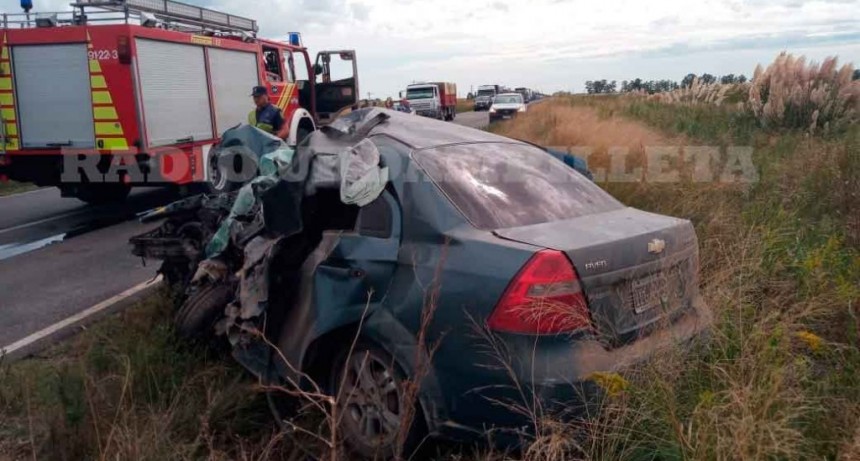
(780,267)
(699,93)
(778,379)
(792,93)
(465,105)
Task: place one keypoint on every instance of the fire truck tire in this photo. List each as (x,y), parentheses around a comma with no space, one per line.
(102,194)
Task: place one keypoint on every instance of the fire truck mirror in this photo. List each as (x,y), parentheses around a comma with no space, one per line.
(346,56)
(318,69)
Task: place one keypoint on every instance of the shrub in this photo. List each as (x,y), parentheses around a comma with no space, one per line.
(790,93)
(698,93)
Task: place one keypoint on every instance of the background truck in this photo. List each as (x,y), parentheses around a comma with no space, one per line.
(436,99)
(526,94)
(150,85)
(485,95)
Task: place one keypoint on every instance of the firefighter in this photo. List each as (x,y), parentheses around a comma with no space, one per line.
(266,116)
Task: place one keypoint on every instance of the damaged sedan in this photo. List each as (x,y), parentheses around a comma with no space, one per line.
(438,280)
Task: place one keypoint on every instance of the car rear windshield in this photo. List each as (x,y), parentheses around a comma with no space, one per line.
(503,185)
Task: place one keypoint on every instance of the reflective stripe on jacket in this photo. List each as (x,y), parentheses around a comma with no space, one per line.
(269,119)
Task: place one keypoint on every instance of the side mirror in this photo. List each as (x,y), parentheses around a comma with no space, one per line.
(318,69)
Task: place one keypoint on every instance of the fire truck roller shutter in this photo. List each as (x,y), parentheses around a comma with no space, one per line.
(233,73)
(175,92)
(55,104)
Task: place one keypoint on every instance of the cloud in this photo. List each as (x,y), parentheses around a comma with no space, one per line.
(500,6)
(553,44)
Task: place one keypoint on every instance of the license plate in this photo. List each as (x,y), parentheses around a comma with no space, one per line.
(648,292)
(506,117)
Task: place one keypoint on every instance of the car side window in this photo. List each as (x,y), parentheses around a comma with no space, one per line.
(375,219)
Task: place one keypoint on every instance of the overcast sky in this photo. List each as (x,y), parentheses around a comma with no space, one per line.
(554,45)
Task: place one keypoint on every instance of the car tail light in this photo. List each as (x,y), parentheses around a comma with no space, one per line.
(544,298)
(123,49)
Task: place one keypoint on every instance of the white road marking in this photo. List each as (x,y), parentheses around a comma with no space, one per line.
(80,316)
(43,221)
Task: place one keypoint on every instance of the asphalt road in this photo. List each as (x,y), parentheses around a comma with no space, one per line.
(59,256)
(478,120)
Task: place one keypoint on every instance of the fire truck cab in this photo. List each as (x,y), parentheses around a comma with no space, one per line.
(121,93)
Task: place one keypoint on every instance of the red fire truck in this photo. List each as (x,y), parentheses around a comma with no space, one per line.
(148,86)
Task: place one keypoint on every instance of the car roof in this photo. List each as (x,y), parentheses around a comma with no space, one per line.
(508,94)
(417,132)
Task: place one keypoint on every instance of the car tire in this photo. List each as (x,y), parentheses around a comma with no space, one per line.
(218,175)
(198,315)
(369,386)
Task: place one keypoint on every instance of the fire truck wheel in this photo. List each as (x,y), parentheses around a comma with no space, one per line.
(102,194)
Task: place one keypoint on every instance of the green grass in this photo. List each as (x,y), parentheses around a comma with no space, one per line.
(779,378)
(128,389)
(12,187)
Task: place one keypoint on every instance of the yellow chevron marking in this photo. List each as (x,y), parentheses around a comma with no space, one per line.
(104,113)
(11,144)
(98,82)
(5,53)
(95,67)
(11,129)
(6,99)
(7,114)
(108,128)
(5,68)
(102,97)
(5,83)
(112,143)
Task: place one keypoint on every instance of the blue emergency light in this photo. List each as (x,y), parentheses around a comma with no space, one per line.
(27,5)
(295,39)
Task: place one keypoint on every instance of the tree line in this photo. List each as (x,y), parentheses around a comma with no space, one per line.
(658,86)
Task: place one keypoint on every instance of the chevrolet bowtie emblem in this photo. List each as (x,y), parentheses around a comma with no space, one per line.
(656,246)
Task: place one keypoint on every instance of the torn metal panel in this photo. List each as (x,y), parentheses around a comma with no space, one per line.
(362,179)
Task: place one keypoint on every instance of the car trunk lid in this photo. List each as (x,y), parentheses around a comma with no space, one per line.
(636,268)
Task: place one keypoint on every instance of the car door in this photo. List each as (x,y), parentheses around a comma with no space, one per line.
(359,269)
(336,83)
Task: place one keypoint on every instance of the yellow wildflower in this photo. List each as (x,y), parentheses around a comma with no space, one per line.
(812,340)
(612,383)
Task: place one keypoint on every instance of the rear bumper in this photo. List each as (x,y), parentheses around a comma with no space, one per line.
(551,379)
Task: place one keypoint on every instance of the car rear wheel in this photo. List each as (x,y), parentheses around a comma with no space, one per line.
(369,388)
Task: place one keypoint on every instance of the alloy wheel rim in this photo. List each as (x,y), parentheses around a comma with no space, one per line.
(371,407)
